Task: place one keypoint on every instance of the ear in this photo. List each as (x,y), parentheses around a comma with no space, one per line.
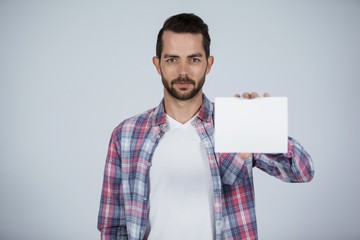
(156,62)
(210,62)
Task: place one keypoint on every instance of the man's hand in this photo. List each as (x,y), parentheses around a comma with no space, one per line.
(252,95)
(248,95)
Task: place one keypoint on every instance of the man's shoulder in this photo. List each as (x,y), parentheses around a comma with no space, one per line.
(138,121)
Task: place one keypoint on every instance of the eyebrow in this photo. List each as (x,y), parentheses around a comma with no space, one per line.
(176,56)
(195,55)
(170,56)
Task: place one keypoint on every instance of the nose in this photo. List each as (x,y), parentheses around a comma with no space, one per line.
(183,68)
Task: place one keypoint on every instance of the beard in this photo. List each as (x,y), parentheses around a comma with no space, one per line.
(182,94)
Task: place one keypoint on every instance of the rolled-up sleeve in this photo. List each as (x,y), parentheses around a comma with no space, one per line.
(294,166)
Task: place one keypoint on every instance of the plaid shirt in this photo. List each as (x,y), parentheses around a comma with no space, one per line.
(124,207)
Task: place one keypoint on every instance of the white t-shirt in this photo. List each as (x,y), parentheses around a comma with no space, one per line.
(181,192)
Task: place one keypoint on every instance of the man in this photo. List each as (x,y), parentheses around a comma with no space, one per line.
(162,178)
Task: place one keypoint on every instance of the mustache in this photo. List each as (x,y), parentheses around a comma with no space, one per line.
(183,79)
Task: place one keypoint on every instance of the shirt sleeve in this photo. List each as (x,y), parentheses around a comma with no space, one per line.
(294,166)
(111,219)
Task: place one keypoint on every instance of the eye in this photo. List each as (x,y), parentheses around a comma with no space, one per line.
(170,60)
(195,60)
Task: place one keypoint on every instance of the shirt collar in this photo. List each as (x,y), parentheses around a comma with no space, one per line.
(205,113)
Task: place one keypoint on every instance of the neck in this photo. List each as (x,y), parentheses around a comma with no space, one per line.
(182,110)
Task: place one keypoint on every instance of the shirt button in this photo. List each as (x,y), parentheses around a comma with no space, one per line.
(219,225)
(145,198)
(158,136)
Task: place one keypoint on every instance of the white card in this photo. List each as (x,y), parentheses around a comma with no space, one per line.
(251,125)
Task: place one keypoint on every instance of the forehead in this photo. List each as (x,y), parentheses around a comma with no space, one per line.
(187,43)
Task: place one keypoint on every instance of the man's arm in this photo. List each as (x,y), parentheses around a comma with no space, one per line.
(294,166)
(111,219)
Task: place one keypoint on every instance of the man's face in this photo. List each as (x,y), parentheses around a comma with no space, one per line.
(183,64)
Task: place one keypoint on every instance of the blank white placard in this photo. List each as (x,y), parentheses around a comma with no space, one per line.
(251,125)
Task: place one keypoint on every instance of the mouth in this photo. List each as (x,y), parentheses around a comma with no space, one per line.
(183,84)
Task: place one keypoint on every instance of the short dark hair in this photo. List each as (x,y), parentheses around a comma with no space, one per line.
(184,23)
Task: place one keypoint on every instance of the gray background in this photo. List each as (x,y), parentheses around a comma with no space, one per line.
(70,71)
